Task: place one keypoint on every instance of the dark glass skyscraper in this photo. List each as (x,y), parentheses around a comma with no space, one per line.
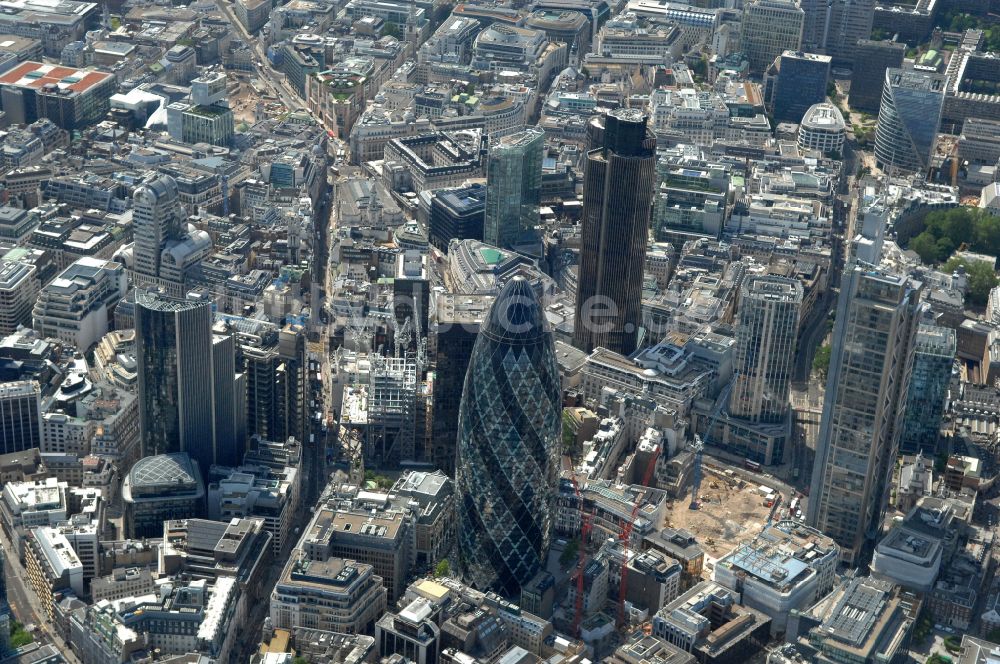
(617,198)
(508,440)
(801,82)
(174,364)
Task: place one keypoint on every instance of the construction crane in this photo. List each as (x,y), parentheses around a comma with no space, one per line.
(585,524)
(699,445)
(626,534)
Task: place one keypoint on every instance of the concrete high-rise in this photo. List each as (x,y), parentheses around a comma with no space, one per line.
(509,429)
(166,249)
(909,119)
(769,28)
(174,365)
(513,188)
(871,59)
(766,330)
(229,392)
(157,216)
(862,420)
(833,27)
(618,186)
(933,357)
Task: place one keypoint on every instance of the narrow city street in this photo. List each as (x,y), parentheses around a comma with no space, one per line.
(24,602)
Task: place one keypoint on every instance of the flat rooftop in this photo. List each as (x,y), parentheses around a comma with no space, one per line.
(37,75)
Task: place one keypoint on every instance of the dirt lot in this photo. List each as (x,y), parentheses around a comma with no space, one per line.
(727,514)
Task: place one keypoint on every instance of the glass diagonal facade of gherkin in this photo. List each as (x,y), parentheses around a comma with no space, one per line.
(508,438)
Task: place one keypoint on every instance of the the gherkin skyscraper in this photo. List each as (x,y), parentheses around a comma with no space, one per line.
(508,437)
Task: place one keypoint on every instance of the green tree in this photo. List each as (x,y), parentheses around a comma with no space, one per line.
(19,636)
(443,568)
(982,278)
(569,554)
(926,247)
(821,360)
(299,659)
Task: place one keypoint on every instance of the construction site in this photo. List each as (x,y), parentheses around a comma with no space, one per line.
(729,509)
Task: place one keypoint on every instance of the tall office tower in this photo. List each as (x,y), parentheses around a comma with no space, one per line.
(229,392)
(909,119)
(769,28)
(20,416)
(799,83)
(157,216)
(276,384)
(514,188)
(458,320)
(863,411)
(173,340)
(871,59)
(617,198)
(166,249)
(933,357)
(766,330)
(509,428)
(833,27)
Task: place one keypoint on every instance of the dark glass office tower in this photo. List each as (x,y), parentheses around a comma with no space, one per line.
(508,444)
(617,196)
(174,363)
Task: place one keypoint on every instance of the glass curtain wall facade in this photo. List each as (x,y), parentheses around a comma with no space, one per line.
(933,357)
(513,187)
(174,364)
(909,119)
(509,428)
(618,189)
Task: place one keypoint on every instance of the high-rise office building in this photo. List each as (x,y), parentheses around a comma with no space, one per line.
(871,59)
(174,365)
(229,392)
(800,82)
(833,27)
(157,216)
(513,188)
(456,328)
(457,213)
(509,428)
(617,198)
(769,28)
(933,356)
(274,363)
(166,249)
(862,418)
(20,416)
(766,330)
(909,119)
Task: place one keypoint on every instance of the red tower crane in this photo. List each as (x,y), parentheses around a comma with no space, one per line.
(585,523)
(626,535)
